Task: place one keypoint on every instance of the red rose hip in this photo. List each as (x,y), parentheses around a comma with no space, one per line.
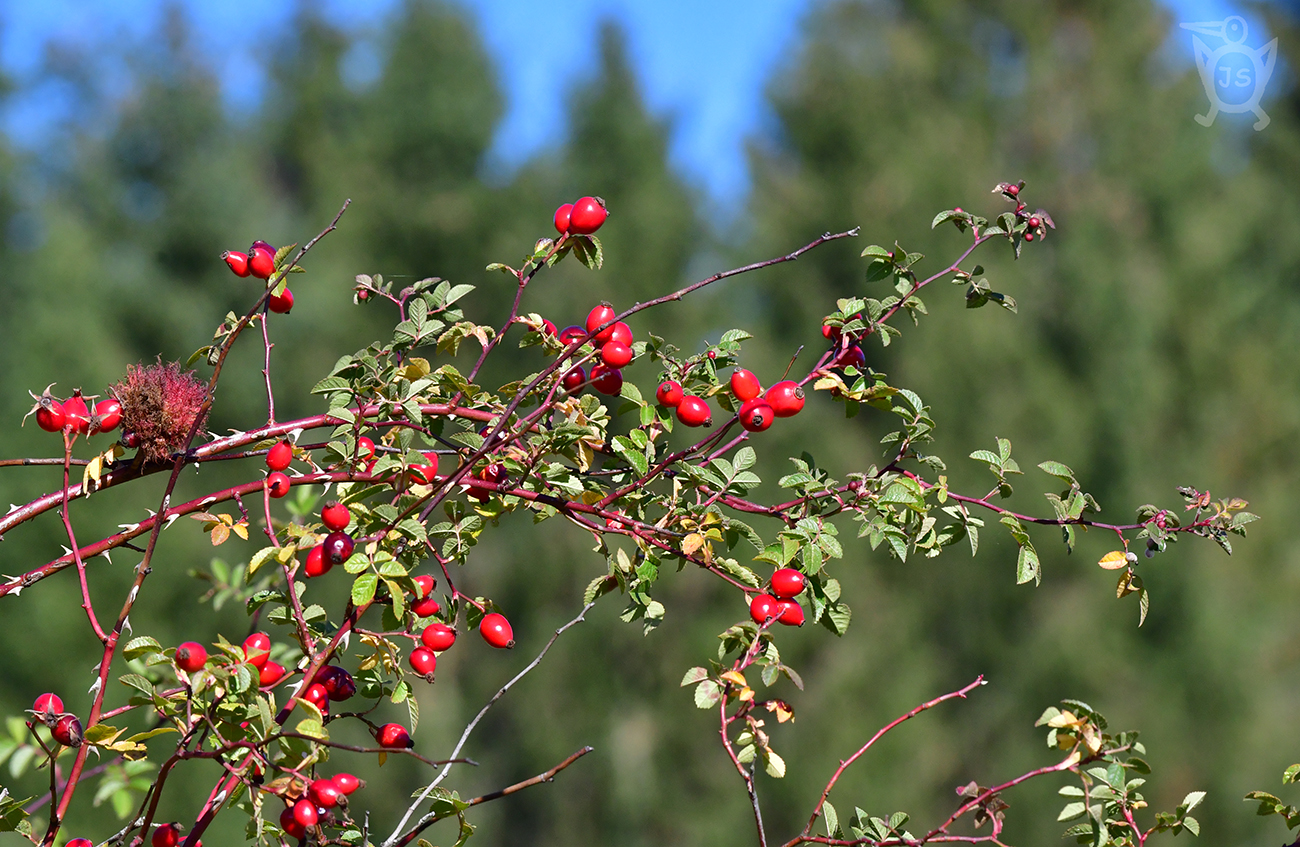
(571,334)
(324,792)
(346,782)
(257,649)
(191,656)
(562,218)
(290,825)
(574,378)
(108,414)
(317,696)
(692,411)
(394,736)
(304,812)
(669,393)
(602,314)
(277,484)
(261,262)
(282,304)
(607,380)
(756,415)
(791,613)
(423,661)
(236,261)
(786,583)
(316,564)
(67,731)
(438,637)
(336,516)
(48,705)
(587,215)
(270,674)
(337,682)
(496,631)
(279,456)
(167,835)
(616,354)
(786,398)
(762,607)
(50,416)
(745,385)
(76,416)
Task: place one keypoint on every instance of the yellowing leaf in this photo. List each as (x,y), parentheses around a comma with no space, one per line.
(1114,560)
(416,368)
(735,677)
(746,694)
(692,543)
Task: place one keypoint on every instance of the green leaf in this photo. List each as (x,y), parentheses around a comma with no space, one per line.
(363,589)
(141,646)
(694,675)
(707,694)
(1027,566)
(588,250)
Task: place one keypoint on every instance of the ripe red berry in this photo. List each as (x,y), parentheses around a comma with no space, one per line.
(1029,236)
(602,314)
(1013,190)
(270,674)
(607,380)
(277,484)
(831,333)
(745,385)
(279,456)
(496,631)
(317,696)
(281,304)
(324,792)
(346,782)
(587,215)
(423,661)
(424,585)
(571,334)
(562,218)
(1034,222)
(304,812)
(785,398)
(290,825)
(236,261)
(80,842)
(425,474)
(786,583)
(50,416)
(394,736)
(261,262)
(257,649)
(191,656)
(108,414)
(365,448)
(791,613)
(335,516)
(316,564)
(763,607)
(47,705)
(75,414)
(692,411)
(67,731)
(438,637)
(615,354)
(852,356)
(338,683)
(167,835)
(574,378)
(622,333)
(756,415)
(669,393)
(547,327)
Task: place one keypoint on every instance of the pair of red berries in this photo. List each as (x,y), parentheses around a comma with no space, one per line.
(581,218)
(425,604)
(259,261)
(335,550)
(53,415)
(65,728)
(615,341)
(257,652)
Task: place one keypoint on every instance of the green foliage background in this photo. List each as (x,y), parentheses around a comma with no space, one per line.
(1155,346)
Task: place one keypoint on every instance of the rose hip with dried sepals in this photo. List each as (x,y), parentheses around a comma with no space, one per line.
(191,656)
(791,613)
(108,414)
(67,731)
(236,261)
(669,393)
(756,415)
(324,793)
(693,411)
(277,484)
(587,215)
(47,707)
(786,398)
(762,607)
(261,260)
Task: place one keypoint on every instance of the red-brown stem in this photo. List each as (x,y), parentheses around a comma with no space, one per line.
(72,540)
(844,764)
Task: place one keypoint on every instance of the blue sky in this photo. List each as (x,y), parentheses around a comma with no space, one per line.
(704,64)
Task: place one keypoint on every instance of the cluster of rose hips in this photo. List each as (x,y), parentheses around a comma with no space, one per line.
(259,262)
(313,808)
(581,218)
(758,408)
(1035,220)
(785,585)
(74,415)
(615,342)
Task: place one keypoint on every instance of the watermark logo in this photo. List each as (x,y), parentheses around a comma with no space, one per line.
(1234,75)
